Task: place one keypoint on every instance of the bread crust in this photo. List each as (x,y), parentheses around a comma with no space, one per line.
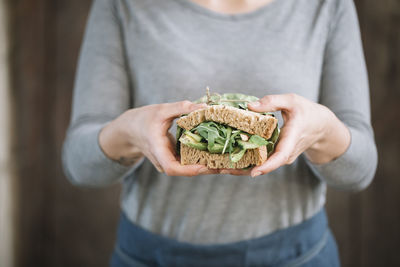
(245,120)
(191,156)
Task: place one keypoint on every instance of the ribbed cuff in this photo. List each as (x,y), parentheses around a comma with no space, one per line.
(345,172)
(87,163)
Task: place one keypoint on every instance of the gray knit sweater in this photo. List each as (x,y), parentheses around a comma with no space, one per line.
(140,52)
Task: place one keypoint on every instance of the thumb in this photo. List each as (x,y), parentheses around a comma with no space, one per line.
(176,109)
(271,103)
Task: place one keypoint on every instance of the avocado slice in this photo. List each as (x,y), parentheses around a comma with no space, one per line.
(189,141)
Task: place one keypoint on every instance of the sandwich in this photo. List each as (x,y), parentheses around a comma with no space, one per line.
(225,134)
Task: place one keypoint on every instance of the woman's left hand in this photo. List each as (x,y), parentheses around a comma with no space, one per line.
(308,127)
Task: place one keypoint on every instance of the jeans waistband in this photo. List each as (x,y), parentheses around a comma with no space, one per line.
(286,247)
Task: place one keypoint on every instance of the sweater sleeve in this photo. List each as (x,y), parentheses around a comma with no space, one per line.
(101,93)
(344,89)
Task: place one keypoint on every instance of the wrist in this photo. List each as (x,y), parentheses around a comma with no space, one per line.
(116,144)
(325,126)
(333,139)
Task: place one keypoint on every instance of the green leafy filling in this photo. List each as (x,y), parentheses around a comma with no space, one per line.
(220,139)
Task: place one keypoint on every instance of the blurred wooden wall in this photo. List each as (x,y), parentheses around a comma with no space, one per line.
(59,225)
(62,225)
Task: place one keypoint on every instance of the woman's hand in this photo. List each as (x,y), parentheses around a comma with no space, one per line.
(144,131)
(309,127)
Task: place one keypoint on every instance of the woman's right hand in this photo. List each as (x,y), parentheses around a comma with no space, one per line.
(144,131)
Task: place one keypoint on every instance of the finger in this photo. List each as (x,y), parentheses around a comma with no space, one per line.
(158,168)
(174,110)
(237,172)
(174,168)
(210,171)
(170,164)
(271,103)
(155,163)
(172,148)
(170,111)
(282,153)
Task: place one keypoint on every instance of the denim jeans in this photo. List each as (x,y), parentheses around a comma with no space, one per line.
(309,243)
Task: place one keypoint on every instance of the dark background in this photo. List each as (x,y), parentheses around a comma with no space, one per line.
(62,225)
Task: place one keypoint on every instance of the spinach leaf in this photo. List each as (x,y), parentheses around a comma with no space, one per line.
(258,140)
(209,131)
(227,140)
(270,148)
(221,138)
(275,135)
(237,154)
(272,141)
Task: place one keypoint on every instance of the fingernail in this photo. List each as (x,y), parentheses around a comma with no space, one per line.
(203,170)
(255,104)
(224,172)
(254,174)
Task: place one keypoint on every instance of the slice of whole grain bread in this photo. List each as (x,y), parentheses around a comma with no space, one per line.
(191,156)
(245,120)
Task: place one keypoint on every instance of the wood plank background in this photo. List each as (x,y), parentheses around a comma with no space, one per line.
(62,225)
